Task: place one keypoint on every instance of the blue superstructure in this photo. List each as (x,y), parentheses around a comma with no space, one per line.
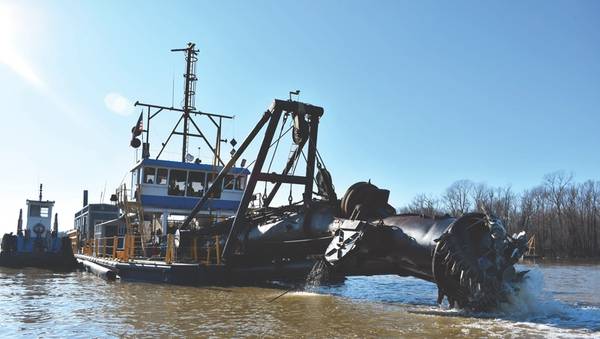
(163,190)
(39,244)
(177,186)
(189,166)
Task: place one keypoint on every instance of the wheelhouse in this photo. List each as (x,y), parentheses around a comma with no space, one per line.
(39,217)
(163,186)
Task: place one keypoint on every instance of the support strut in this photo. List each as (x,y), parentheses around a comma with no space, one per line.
(273,116)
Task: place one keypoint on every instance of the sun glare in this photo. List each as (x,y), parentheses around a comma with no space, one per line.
(9,54)
(7,25)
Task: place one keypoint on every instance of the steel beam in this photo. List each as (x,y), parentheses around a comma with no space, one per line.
(137,103)
(310,158)
(169,138)
(240,216)
(226,169)
(282,178)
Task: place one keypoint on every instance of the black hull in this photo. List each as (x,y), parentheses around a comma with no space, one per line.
(50,261)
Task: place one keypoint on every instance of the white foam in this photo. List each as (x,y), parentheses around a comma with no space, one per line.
(530,311)
(530,298)
(532,305)
(305,294)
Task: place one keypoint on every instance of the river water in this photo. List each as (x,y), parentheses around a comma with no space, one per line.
(558,300)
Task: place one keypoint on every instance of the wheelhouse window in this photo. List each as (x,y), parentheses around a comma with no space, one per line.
(240,183)
(134,184)
(177,182)
(149,175)
(217,193)
(196,182)
(134,177)
(34,211)
(228,182)
(161,176)
(44,212)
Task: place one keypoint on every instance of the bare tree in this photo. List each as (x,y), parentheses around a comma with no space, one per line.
(482,196)
(457,197)
(563,216)
(557,184)
(424,205)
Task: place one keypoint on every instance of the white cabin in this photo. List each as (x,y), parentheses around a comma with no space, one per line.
(39,217)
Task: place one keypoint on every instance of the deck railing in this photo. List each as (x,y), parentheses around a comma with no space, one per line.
(204,250)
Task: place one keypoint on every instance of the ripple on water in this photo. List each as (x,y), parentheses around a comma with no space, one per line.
(39,303)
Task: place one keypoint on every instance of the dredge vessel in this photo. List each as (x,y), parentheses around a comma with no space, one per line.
(246,240)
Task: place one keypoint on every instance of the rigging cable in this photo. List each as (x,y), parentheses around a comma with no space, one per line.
(253,161)
(304,156)
(275,151)
(321,159)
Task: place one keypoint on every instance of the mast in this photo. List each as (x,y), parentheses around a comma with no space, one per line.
(189,92)
(187,111)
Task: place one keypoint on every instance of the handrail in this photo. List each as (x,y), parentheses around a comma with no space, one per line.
(125,248)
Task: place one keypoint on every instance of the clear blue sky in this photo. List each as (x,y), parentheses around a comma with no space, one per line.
(417,94)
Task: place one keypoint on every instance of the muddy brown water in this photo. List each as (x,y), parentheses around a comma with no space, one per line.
(559,300)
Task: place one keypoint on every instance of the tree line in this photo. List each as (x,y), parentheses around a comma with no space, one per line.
(563,215)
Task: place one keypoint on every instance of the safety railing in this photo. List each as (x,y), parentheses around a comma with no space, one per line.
(124,194)
(88,247)
(167,248)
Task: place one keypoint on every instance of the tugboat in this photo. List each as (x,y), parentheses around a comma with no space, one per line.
(39,245)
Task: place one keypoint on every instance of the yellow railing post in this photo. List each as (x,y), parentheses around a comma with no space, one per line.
(195,249)
(103,247)
(126,247)
(114,247)
(218,249)
(208,252)
(169,252)
(132,246)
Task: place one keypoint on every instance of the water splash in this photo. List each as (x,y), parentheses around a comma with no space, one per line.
(317,276)
(530,298)
(531,304)
(531,309)
(305,294)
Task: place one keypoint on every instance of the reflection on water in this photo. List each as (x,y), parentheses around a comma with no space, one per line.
(41,303)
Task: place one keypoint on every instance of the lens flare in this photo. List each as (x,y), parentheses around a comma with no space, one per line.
(9,54)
